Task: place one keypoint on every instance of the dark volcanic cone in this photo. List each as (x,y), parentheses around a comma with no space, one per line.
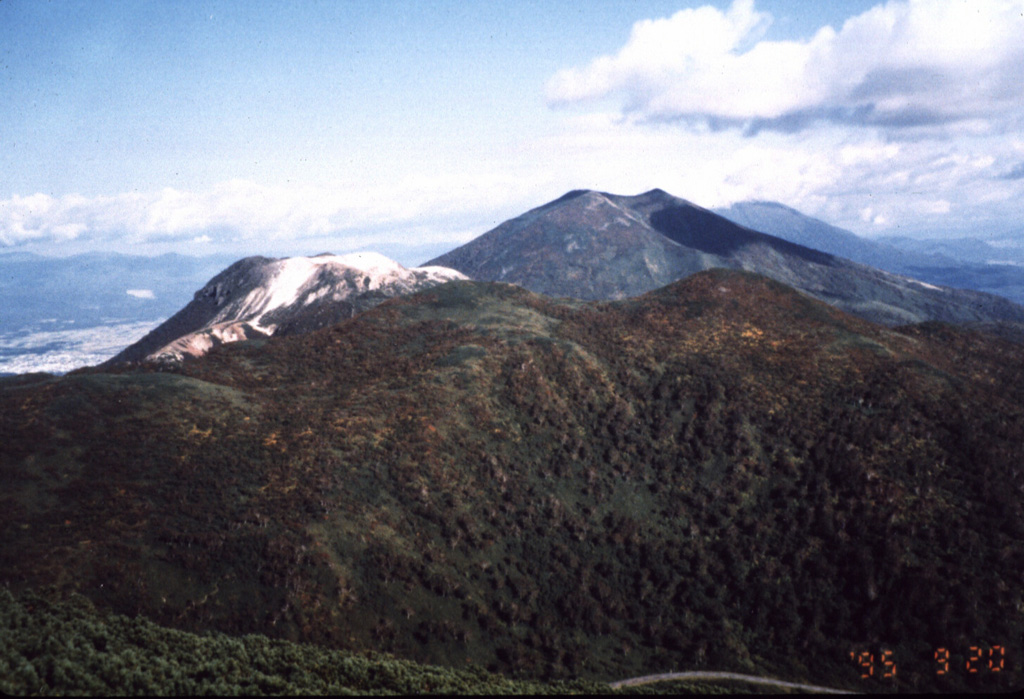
(594,245)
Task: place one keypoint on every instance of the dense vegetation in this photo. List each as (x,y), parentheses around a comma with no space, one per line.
(722,474)
(70,648)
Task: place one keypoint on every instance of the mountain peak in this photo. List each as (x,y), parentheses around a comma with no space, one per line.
(260,296)
(597,245)
(657,192)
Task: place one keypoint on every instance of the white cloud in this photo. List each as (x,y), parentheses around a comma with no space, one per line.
(831,172)
(141,293)
(870,153)
(901,64)
(906,119)
(869,215)
(659,50)
(239,212)
(938,206)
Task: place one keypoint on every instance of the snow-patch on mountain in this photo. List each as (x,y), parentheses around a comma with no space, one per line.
(259,297)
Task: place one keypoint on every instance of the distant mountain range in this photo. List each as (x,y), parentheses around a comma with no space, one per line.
(595,245)
(586,244)
(1003,250)
(963,263)
(260,297)
(58,314)
(96,288)
(789,224)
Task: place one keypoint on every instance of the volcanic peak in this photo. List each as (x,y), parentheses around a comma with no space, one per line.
(259,296)
(599,246)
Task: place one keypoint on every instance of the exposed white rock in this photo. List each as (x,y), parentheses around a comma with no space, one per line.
(256,297)
(306,280)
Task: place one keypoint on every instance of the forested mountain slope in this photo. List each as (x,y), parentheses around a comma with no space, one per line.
(721,474)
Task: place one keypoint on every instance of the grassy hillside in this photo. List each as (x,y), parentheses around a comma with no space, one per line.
(723,474)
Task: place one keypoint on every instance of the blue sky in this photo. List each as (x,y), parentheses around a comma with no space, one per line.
(294,128)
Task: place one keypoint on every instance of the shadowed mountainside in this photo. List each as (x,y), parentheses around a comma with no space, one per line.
(595,245)
(720,474)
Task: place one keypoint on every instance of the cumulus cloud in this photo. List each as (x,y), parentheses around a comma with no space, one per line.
(833,173)
(898,65)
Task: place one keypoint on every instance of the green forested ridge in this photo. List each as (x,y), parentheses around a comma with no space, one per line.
(69,648)
(722,474)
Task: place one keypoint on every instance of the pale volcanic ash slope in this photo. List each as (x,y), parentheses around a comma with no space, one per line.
(259,297)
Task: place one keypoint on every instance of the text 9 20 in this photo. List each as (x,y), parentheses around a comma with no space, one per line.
(976,661)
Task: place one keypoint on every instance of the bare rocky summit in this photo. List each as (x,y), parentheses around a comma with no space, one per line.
(259,297)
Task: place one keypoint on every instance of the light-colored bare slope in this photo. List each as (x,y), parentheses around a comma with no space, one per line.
(259,297)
